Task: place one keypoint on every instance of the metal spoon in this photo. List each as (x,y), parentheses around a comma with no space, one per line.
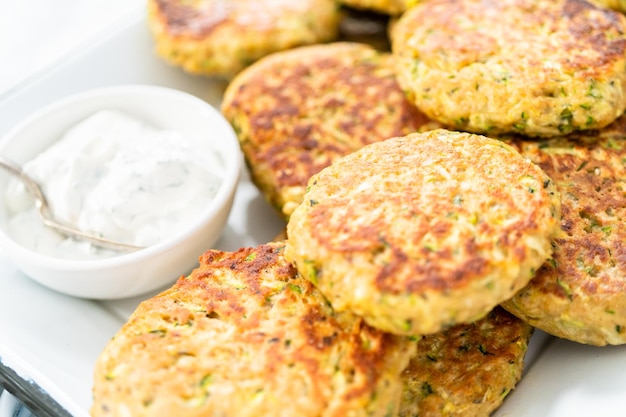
(48,218)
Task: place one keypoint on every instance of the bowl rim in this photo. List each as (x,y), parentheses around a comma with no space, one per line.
(227,188)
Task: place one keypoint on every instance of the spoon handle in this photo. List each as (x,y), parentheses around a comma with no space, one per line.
(47,218)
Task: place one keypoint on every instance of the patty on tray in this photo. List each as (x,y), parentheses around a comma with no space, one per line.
(422,232)
(466,370)
(580,293)
(297,111)
(221,37)
(534,67)
(243,335)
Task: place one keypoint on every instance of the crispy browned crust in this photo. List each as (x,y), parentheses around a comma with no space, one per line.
(243,335)
(182,19)
(467,370)
(432,229)
(588,47)
(619,5)
(580,294)
(221,37)
(295,112)
(536,67)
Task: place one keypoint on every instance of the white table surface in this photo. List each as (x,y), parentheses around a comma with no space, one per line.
(34,34)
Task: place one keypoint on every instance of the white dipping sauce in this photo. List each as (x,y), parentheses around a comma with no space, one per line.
(115,176)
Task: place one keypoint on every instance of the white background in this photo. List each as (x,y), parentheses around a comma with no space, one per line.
(36,33)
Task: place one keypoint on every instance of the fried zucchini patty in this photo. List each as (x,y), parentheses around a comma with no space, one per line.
(297,111)
(533,67)
(467,370)
(580,294)
(221,37)
(242,335)
(619,5)
(422,232)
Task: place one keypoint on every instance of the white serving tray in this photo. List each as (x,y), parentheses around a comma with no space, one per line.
(49,342)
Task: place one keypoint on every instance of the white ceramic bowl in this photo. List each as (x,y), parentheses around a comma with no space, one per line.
(151,268)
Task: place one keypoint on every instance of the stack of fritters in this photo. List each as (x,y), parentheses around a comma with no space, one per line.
(399,240)
(245,335)
(298,111)
(565,74)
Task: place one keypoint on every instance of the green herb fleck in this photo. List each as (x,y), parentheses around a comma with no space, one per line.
(593,91)
(311,272)
(407,325)
(206,380)
(431,247)
(426,389)
(295,288)
(612,144)
(484,350)
(566,288)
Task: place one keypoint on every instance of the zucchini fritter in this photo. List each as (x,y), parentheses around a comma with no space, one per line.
(580,293)
(243,335)
(467,370)
(221,37)
(297,111)
(533,67)
(619,5)
(422,232)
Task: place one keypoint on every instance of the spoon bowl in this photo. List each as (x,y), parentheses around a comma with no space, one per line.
(47,217)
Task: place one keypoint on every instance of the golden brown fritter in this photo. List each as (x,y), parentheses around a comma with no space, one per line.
(534,67)
(619,5)
(580,294)
(243,335)
(221,37)
(297,111)
(467,370)
(421,232)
